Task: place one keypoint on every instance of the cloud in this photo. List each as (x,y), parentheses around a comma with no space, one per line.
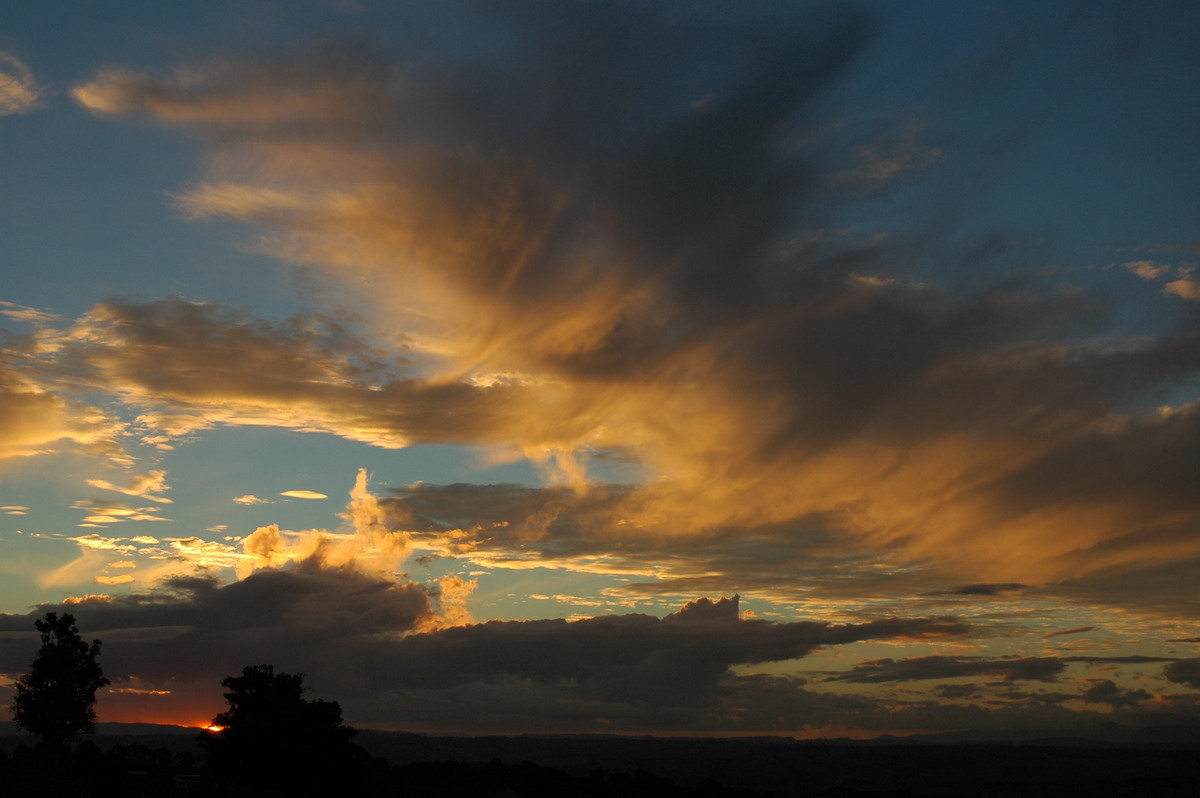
(249,500)
(145,486)
(1185,672)
(100,511)
(19,91)
(1074,631)
(303,494)
(227,367)
(656,279)
(988,590)
(1184,288)
(1147,269)
(28,315)
(1105,691)
(37,421)
(368,542)
(1046,669)
(122,579)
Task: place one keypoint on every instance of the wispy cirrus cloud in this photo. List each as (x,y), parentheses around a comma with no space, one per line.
(759,384)
(145,486)
(20,93)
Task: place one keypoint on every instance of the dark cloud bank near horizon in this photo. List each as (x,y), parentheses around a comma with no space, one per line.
(353,637)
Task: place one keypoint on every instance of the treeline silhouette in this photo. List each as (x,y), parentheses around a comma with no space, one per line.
(139,771)
(270,741)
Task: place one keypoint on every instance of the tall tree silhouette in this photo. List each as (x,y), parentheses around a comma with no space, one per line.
(54,700)
(273,739)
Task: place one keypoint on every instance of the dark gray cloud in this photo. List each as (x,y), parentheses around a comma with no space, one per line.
(681,657)
(1045,669)
(195,628)
(356,638)
(1159,588)
(957,691)
(1061,632)
(1106,691)
(1185,672)
(983,589)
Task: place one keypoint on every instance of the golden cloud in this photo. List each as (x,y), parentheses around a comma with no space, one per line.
(661,296)
(145,486)
(123,579)
(303,494)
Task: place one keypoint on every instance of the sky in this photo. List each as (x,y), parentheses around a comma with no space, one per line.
(812,369)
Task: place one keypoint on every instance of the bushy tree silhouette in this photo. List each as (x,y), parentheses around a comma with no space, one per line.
(274,740)
(54,700)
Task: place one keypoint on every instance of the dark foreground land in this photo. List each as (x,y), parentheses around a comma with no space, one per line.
(394,764)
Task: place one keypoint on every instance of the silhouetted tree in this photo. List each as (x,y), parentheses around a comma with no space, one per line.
(54,700)
(273,739)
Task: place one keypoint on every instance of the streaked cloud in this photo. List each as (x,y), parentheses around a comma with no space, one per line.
(19,91)
(37,421)
(1075,631)
(100,511)
(1046,669)
(146,486)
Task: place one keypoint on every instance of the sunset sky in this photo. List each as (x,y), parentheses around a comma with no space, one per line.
(796,368)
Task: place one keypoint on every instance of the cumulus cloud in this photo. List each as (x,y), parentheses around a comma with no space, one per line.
(368,542)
